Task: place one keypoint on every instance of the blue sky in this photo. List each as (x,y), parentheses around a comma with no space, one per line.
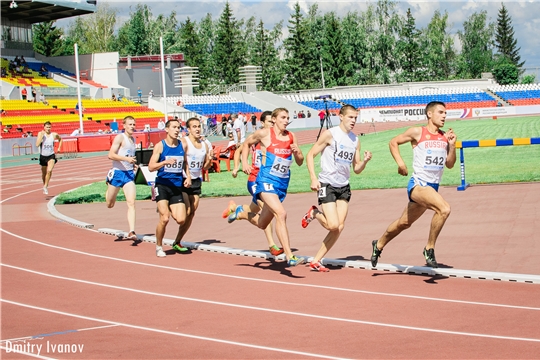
(525,14)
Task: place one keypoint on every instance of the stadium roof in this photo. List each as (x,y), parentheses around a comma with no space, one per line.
(46,10)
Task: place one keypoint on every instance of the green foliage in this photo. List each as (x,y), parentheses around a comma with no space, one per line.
(337,69)
(477,46)
(504,38)
(528,79)
(408,48)
(438,46)
(47,39)
(505,71)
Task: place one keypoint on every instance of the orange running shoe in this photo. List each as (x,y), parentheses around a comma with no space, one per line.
(308,217)
(229,210)
(317,266)
(274,250)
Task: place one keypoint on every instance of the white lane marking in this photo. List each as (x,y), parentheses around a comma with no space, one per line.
(31,191)
(42,336)
(228,342)
(270,281)
(285,312)
(30,354)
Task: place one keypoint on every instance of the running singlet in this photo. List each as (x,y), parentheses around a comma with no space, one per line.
(256,160)
(47,145)
(195,158)
(336,159)
(171,175)
(126,149)
(275,169)
(430,156)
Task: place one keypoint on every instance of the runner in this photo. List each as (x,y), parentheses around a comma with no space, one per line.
(47,157)
(169,160)
(122,174)
(432,150)
(256,205)
(273,179)
(199,157)
(340,149)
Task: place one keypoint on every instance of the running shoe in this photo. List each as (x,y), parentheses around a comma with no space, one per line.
(45,191)
(308,217)
(429,254)
(293,261)
(235,213)
(179,248)
(131,236)
(317,266)
(229,210)
(160,252)
(376,254)
(274,250)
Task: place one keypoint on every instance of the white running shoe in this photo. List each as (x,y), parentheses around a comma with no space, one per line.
(45,191)
(160,252)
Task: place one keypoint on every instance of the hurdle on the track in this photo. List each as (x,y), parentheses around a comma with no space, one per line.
(487,143)
(69,148)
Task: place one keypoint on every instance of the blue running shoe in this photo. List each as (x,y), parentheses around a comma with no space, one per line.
(234,215)
(293,261)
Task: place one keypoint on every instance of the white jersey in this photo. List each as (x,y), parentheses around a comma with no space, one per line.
(126,149)
(336,158)
(430,156)
(239,124)
(196,158)
(47,145)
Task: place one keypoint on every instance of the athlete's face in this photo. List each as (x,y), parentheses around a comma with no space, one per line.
(174,129)
(129,126)
(281,120)
(195,129)
(437,115)
(47,128)
(268,122)
(349,119)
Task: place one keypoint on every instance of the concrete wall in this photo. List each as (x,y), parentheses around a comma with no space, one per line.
(265,100)
(147,80)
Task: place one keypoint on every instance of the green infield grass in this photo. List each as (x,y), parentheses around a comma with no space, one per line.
(482,165)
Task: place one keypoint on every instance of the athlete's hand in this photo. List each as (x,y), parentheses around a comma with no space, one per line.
(169,161)
(451,136)
(367,156)
(235,173)
(294,148)
(132,160)
(247,170)
(187,182)
(315,185)
(402,170)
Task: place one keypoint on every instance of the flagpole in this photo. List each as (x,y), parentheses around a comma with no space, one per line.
(163,78)
(78,88)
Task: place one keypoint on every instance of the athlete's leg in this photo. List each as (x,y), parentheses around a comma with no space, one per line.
(334,215)
(193,205)
(268,231)
(179,213)
(110,195)
(412,212)
(130,191)
(43,174)
(273,208)
(50,167)
(431,199)
(164,213)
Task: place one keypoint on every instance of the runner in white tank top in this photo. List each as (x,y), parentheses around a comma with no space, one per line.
(47,157)
(340,150)
(198,158)
(432,150)
(122,173)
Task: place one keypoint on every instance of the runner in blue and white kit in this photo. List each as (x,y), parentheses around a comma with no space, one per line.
(169,160)
(340,150)
(433,149)
(122,174)
(198,158)
(47,158)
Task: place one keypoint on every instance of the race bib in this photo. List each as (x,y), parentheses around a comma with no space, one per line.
(280,167)
(345,155)
(257,158)
(435,159)
(110,174)
(177,166)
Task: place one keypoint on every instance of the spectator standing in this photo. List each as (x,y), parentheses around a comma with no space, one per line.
(139,94)
(24,93)
(161,124)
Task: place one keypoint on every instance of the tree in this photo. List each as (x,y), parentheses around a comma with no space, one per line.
(408,49)
(76,34)
(504,38)
(229,54)
(265,54)
(438,49)
(206,31)
(136,31)
(334,58)
(505,71)
(388,23)
(47,39)
(477,46)
(99,29)
(528,79)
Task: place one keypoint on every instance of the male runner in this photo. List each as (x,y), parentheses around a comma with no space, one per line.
(47,158)
(432,150)
(340,149)
(273,179)
(256,205)
(198,158)
(122,174)
(169,160)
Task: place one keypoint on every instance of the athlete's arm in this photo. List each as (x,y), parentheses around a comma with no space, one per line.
(324,140)
(208,158)
(411,135)
(39,139)
(56,136)
(254,138)
(153,164)
(240,152)
(451,156)
(187,180)
(297,152)
(113,152)
(358,164)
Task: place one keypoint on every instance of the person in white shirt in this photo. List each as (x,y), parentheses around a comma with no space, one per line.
(76,132)
(47,158)
(239,133)
(161,125)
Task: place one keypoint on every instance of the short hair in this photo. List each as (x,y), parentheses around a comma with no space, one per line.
(234,116)
(191,120)
(47,123)
(346,108)
(431,105)
(128,118)
(168,123)
(277,111)
(264,115)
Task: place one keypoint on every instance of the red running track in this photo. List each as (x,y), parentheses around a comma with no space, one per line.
(71,289)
